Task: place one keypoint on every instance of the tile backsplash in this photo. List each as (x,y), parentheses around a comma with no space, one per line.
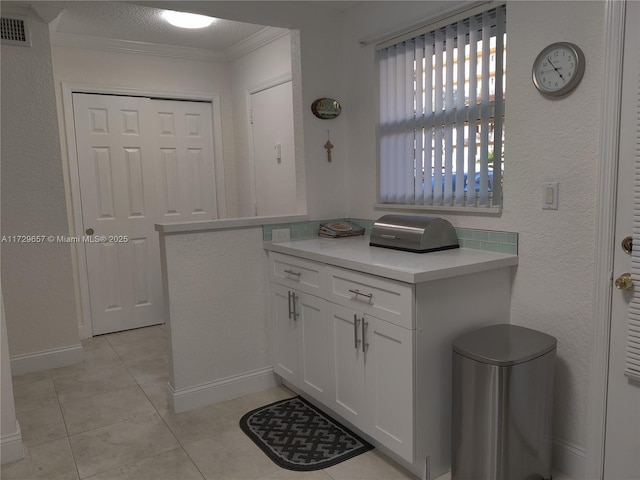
(488,240)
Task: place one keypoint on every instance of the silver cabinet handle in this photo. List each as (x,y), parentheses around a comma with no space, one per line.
(357,292)
(356,321)
(293,304)
(289,293)
(364,327)
(292,272)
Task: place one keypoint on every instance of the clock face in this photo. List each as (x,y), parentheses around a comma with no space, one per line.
(558,69)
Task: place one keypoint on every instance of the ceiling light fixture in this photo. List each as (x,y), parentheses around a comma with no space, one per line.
(187,20)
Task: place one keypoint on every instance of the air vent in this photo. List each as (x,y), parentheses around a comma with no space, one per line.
(14,31)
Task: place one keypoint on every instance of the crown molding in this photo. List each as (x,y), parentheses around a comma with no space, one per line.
(47,13)
(127,46)
(255,41)
(243,47)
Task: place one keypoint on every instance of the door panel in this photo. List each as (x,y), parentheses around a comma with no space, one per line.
(623,398)
(314,362)
(184,160)
(117,186)
(286,335)
(272,124)
(347,365)
(389,384)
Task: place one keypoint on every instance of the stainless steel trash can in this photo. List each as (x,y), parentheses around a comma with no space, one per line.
(502,404)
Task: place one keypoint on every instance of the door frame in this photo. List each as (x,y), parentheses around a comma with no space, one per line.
(78,254)
(264,85)
(605,226)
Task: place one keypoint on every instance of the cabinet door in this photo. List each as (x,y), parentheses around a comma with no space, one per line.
(347,364)
(313,329)
(389,385)
(286,335)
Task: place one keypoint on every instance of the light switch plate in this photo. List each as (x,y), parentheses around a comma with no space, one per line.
(549,195)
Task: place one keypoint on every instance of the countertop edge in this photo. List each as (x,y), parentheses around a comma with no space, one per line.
(399,275)
(226,223)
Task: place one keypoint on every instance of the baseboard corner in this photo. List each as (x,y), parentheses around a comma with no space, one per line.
(190,398)
(569,458)
(11,448)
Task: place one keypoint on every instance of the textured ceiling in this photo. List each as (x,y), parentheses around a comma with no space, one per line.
(125,21)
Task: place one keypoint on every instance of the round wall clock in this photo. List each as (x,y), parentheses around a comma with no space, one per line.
(558,69)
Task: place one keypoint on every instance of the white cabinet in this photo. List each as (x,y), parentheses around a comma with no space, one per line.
(347,364)
(371,360)
(286,334)
(383,298)
(297,273)
(376,352)
(301,340)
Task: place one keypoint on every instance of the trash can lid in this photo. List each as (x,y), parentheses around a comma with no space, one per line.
(504,345)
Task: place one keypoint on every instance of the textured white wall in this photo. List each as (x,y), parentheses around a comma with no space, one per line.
(218,304)
(151,73)
(37,278)
(545,140)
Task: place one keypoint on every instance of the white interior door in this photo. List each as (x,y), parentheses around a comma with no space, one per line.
(184,160)
(622,447)
(274,167)
(141,161)
(115,167)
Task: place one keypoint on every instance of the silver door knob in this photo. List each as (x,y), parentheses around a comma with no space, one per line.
(624,282)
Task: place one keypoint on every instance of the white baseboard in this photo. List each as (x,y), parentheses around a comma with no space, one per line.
(569,458)
(186,399)
(11,446)
(35,362)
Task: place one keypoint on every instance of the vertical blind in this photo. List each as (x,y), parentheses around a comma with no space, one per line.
(442,114)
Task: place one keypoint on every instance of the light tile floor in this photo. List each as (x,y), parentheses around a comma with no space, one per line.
(108,419)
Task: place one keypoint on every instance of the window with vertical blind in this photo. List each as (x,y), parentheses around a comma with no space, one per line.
(442,93)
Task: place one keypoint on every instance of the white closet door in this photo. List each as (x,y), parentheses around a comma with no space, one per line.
(184,160)
(115,167)
(141,161)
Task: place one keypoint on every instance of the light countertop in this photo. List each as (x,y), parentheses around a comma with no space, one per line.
(169,228)
(355,253)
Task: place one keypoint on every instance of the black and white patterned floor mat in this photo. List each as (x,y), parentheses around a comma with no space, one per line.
(298,436)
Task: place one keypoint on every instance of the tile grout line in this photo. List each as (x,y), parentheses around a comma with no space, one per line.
(66,429)
(178,441)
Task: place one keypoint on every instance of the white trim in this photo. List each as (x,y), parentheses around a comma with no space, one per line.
(243,47)
(255,41)
(72,40)
(85,328)
(270,83)
(569,458)
(223,224)
(47,359)
(605,227)
(11,448)
(185,399)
